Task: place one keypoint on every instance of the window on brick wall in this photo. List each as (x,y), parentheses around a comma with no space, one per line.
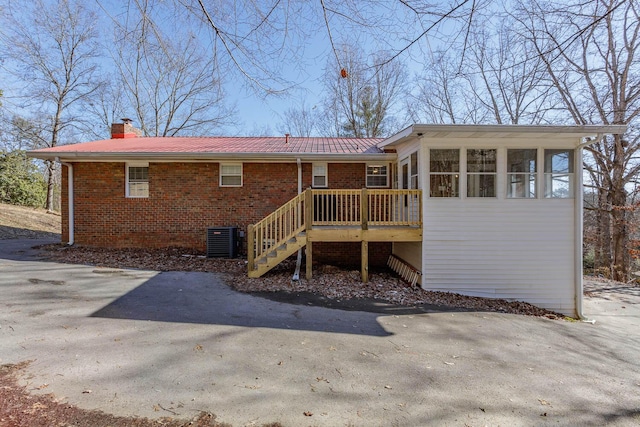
(377,175)
(231,175)
(320,176)
(137,177)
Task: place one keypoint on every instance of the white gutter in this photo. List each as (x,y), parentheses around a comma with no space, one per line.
(70,200)
(296,274)
(209,157)
(579,227)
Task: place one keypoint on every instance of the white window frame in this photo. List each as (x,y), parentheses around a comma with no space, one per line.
(551,176)
(469,175)
(222,175)
(528,179)
(386,175)
(457,178)
(127,184)
(325,167)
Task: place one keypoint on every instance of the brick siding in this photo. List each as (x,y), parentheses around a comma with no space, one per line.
(185,199)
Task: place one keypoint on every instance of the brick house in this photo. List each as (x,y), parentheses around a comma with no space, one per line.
(486,210)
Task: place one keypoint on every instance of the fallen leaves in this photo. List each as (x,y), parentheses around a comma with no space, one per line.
(329,281)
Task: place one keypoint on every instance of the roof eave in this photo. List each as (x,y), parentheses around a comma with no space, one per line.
(418,130)
(208,157)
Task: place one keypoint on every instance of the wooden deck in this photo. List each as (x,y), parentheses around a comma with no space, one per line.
(334,216)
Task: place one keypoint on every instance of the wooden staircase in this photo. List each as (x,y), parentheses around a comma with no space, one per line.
(383,215)
(276,237)
(276,255)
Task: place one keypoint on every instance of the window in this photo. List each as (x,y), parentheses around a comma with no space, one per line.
(558,173)
(481,173)
(320,175)
(414,170)
(521,173)
(231,175)
(137,180)
(444,177)
(377,175)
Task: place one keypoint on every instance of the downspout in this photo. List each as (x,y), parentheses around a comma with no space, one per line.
(296,274)
(579,228)
(69,199)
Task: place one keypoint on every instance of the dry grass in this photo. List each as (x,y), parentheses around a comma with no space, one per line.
(20,222)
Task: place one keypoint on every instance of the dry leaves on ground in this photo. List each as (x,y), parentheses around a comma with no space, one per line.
(332,282)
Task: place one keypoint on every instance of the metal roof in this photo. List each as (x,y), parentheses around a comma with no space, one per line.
(213,147)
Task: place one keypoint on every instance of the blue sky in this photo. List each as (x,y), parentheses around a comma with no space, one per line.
(300,65)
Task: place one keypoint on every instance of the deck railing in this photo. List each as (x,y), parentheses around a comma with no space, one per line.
(383,207)
(318,208)
(281,225)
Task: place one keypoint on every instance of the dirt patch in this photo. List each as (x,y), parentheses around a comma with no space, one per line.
(20,222)
(20,408)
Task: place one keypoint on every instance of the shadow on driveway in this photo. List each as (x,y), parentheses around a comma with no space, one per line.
(203,299)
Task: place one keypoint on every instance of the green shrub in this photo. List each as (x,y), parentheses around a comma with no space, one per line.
(20,181)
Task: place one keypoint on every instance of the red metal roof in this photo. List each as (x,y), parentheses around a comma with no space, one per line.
(219,145)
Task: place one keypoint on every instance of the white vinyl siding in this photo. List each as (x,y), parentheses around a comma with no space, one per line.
(502,249)
(231,175)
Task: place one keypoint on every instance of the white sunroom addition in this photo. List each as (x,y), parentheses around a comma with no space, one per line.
(502,209)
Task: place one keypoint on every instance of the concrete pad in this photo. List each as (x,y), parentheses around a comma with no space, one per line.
(134,342)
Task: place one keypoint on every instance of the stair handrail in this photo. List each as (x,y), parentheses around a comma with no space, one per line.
(275,229)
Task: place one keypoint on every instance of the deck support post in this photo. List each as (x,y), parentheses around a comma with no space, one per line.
(364,269)
(251,248)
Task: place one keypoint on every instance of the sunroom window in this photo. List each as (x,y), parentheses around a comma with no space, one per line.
(521,173)
(444,176)
(481,173)
(558,173)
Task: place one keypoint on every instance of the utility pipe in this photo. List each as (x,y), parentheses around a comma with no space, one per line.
(70,199)
(579,227)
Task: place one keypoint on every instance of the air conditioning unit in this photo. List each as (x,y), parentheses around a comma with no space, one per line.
(222,242)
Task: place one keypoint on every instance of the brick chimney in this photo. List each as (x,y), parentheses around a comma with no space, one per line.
(124,130)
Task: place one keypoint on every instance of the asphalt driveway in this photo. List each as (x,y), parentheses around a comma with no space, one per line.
(132,342)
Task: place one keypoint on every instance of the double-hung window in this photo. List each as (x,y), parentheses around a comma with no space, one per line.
(481,172)
(521,173)
(558,173)
(137,177)
(231,175)
(377,176)
(320,178)
(444,178)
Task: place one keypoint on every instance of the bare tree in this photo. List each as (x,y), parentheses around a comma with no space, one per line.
(167,80)
(590,52)
(495,83)
(263,42)
(51,47)
(299,121)
(361,98)
(442,95)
